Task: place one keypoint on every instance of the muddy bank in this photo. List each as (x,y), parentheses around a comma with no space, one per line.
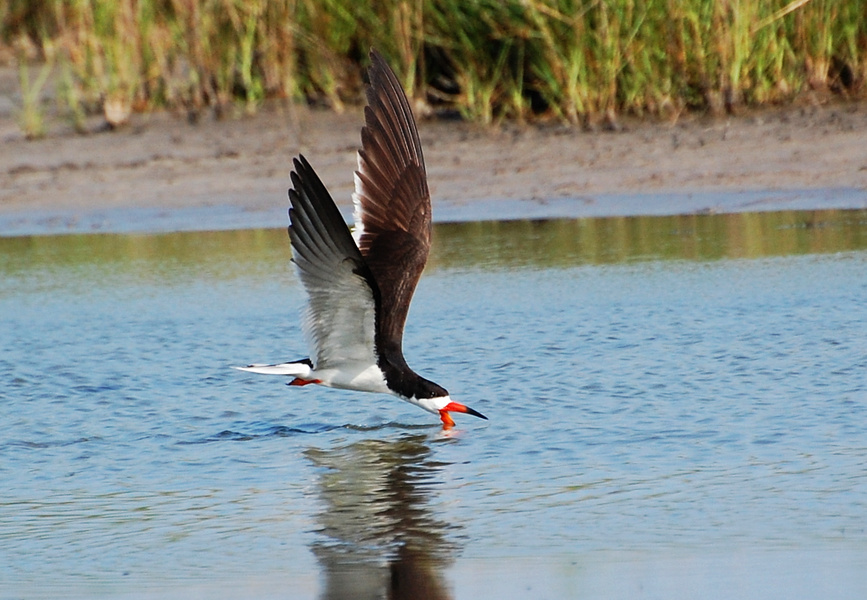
(163,172)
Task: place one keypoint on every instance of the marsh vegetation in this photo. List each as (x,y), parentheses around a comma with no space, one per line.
(485,60)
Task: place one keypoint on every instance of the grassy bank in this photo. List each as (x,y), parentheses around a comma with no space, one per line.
(488,59)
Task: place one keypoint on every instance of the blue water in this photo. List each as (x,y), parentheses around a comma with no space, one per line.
(678,409)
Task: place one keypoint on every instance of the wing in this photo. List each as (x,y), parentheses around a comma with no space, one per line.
(340,319)
(392,201)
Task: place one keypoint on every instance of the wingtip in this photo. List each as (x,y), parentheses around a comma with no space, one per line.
(380,76)
(300,166)
(375,56)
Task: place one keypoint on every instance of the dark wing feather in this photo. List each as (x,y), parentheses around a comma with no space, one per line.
(340,319)
(392,201)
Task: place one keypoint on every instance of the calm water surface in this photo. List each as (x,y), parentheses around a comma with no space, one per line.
(678,409)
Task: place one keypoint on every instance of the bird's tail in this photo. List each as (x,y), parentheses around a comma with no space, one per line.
(298,368)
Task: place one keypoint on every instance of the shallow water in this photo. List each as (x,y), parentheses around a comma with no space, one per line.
(678,409)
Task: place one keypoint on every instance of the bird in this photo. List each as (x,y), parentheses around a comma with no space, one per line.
(359,284)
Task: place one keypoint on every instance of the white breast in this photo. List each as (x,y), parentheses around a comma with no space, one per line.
(363,377)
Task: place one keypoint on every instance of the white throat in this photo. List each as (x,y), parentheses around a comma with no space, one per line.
(432,405)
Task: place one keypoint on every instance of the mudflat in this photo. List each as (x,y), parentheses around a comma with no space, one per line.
(809,155)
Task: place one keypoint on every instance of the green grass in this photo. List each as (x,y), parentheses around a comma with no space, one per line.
(30,115)
(488,59)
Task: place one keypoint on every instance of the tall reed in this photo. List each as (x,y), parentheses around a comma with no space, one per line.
(30,115)
(488,59)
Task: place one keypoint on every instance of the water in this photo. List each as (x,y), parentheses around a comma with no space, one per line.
(678,409)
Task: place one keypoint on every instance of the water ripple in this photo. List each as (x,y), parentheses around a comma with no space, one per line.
(642,406)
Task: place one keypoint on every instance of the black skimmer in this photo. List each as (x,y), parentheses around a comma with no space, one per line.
(359,285)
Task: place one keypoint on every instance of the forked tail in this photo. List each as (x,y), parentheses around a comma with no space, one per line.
(298,368)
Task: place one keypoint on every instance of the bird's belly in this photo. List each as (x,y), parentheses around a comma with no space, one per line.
(364,378)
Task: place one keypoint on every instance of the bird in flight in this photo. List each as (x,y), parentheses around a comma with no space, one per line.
(359,285)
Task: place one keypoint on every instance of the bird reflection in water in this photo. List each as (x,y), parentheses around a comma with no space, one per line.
(378,537)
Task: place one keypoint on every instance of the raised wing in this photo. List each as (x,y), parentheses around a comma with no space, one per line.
(392,201)
(341,313)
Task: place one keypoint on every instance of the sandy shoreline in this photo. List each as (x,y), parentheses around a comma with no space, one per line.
(163,173)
